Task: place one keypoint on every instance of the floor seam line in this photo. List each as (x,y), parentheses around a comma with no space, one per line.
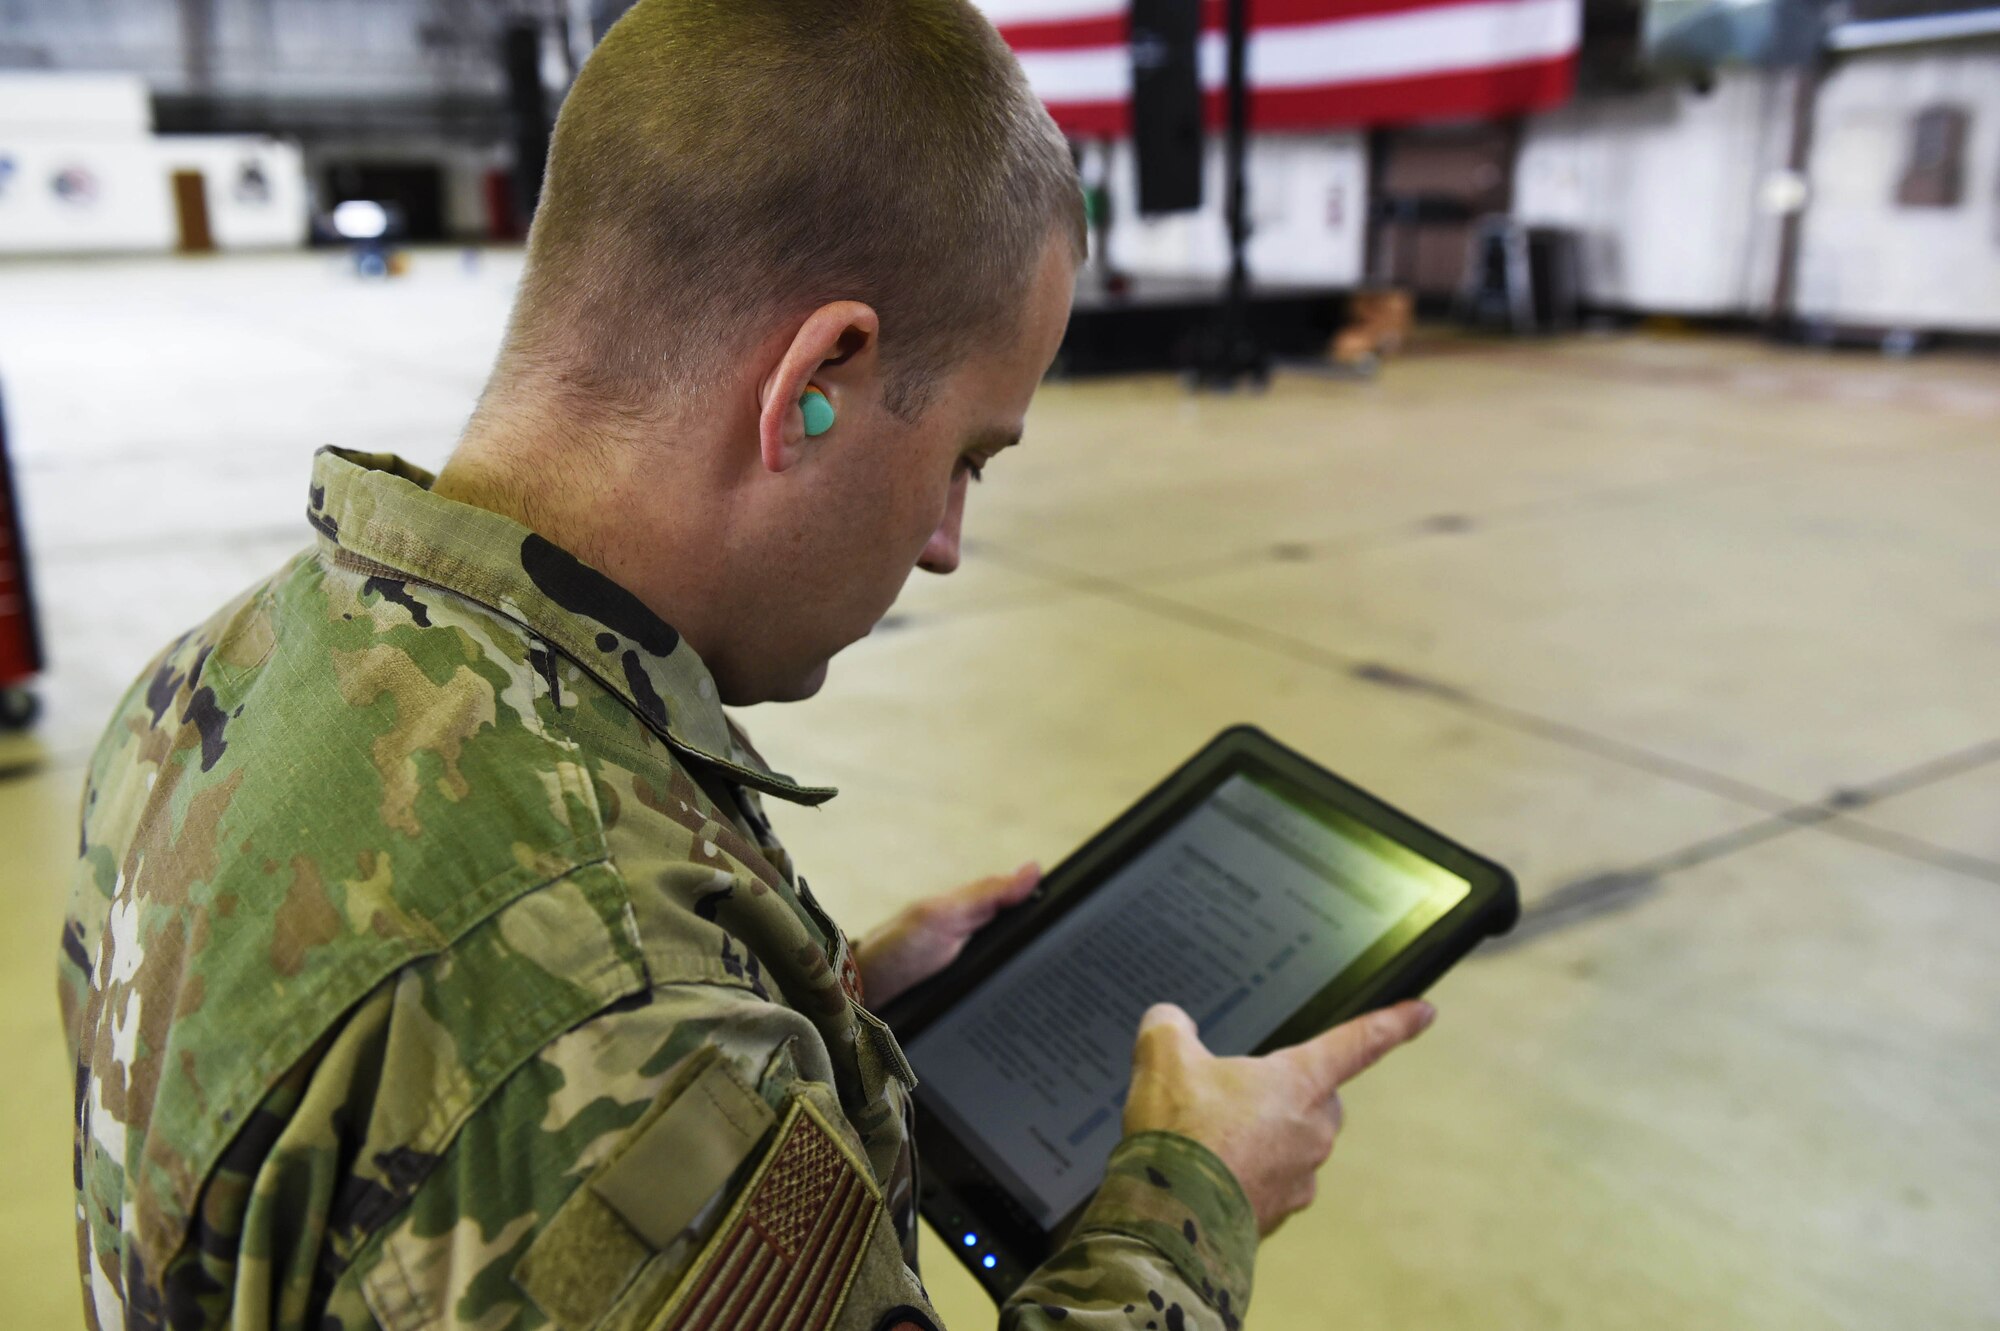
(1852,799)
(1620,889)
(1915,849)
(1508,516)
(1518,719)
(1784,815)
(1586,898)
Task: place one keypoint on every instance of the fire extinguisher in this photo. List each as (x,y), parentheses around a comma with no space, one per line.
(20,637)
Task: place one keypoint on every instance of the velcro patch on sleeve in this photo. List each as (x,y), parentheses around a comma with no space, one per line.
(785,1255)
(667,1174)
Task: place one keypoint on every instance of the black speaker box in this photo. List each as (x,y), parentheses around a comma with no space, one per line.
(1166,104)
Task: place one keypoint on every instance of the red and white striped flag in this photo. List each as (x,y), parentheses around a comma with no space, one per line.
(1314,64)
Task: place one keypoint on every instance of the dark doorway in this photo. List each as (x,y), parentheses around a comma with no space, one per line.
(415,188)
(191,213)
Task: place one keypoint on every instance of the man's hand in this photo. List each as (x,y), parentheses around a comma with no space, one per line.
(1272,1119)
(922,939)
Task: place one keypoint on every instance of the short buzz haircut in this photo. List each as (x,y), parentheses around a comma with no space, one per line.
(722,163)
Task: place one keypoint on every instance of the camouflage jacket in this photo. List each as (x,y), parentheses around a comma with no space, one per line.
(430,963)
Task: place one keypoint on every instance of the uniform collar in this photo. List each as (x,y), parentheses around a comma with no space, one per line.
(379,509)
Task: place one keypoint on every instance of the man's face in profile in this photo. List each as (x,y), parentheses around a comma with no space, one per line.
(890,495)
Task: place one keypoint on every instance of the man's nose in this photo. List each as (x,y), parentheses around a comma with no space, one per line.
(941,551)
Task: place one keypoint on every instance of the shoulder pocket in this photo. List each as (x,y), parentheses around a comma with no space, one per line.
(636,1222)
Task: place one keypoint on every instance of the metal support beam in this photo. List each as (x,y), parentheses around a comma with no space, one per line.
(1230,354)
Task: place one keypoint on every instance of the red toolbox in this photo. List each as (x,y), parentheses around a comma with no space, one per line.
(20,640)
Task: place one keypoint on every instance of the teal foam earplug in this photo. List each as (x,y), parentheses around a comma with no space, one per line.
(818,413)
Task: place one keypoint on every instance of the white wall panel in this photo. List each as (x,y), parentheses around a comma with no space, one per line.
(118,198)
(1663,189)
(118,195)
(1866,261)
(1308,209)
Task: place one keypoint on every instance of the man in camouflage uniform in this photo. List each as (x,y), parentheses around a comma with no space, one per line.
(430,961)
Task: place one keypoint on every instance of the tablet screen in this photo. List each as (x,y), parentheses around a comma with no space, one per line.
(1242,910)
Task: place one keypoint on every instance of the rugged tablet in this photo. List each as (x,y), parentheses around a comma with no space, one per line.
(1262,893)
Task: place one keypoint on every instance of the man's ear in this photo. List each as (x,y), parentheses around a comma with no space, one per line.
(836,350)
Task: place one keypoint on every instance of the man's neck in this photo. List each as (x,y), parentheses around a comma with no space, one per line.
(525,462)
(647,512)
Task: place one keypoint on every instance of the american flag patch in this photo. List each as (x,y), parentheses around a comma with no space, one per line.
(787,1252)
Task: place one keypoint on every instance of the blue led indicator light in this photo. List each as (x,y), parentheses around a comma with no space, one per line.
(989,1261)
(971,1239)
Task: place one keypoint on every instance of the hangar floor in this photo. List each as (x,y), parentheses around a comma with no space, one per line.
(1701,637)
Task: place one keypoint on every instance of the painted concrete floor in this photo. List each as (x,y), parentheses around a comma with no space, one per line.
(1701,637)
